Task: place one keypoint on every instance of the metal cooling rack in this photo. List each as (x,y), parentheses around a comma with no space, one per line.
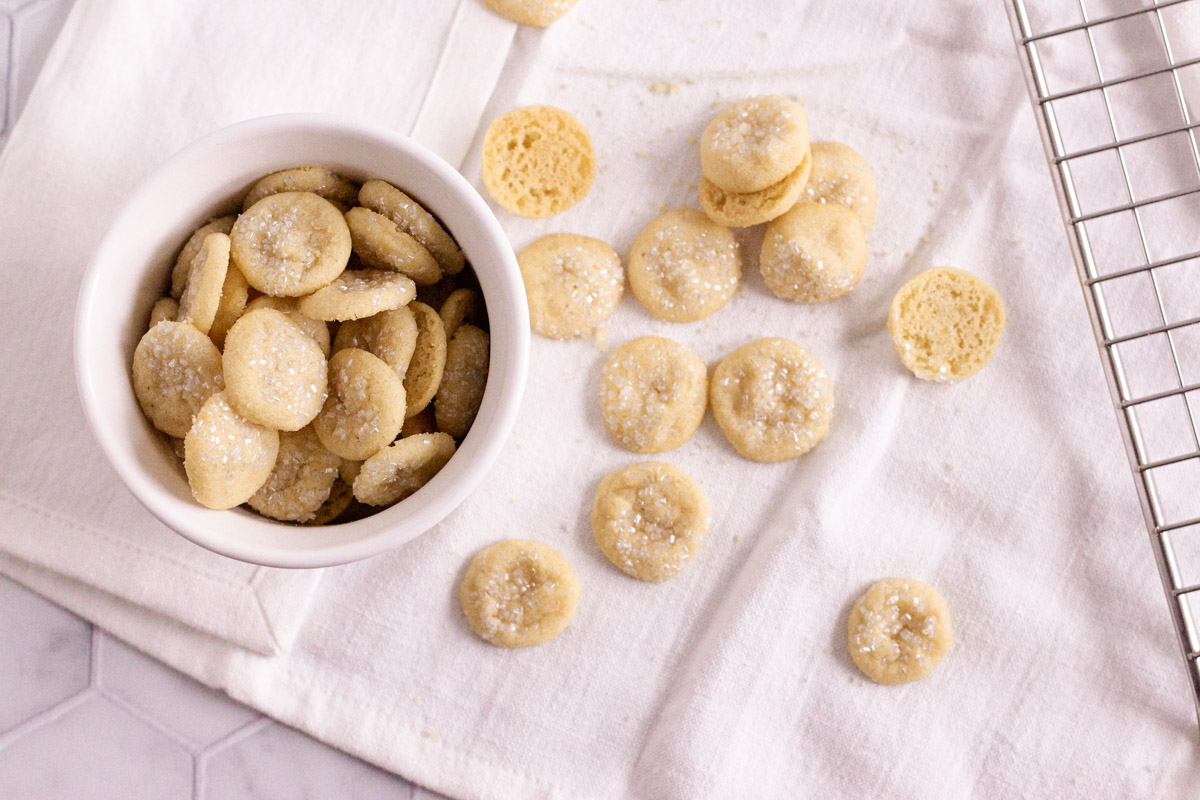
(1109,84)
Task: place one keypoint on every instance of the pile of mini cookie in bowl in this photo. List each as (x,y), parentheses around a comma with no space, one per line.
(319,355)
(771,398)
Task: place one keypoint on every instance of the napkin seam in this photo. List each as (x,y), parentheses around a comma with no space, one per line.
(441,65)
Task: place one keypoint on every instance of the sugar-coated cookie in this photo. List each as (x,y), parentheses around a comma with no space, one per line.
(539,13)
(300,481)
(463,381)
(754,143)
(653,393)
(226,456)
(365,408)
(428,362)
(946,324)
(234,294)
(400,469)
(772,400)
(415,220)
(650,520)
(317,329)
(175,369)
(275,373)
(683,266)
(840,175)
(743,209)
(164,309)
(519,593)
(814,253)
(290,244)
(538,161)
(898,631)
(359,293)
(572,282)
(390,335)
(461,306)
(318,180)
(381,244)
(206,277)
(183,264)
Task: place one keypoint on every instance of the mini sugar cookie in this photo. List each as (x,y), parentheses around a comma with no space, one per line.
(842,176)
(402,468)
(463,305)
(365,407)
(572,282)
(899,631)
(390,335)
(290,244)
(412,218)
(359,293)
(317,329)
(428,362)
(175,369)
(814,253)
(381,244)
(772,400)
(519,593)
(226,456)
(318,180)
(275,373)
(539,13)
(650,519)
(463,381)
(300,481)
(741,210)
(754,143)
(683,266)
(164,309)
(946,324)
(234,293)
(653,392)
(538,161)
(340,498)
(183,264)
(206,277)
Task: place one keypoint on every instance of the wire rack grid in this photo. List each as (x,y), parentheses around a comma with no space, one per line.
(1111,86)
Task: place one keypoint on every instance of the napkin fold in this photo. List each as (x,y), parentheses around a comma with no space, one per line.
(1009,492)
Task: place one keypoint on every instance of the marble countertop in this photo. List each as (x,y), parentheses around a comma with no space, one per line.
(84,715)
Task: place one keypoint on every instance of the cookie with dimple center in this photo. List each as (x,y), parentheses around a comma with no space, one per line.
(572,282)
(683,266)
(428,362)
(519,593)
(463,305)
(772,400)
(650,520)
(317,329)
(743,209)
(300,481)
(290,244)
(899,631)
(359,293)
(234,294)
(175,369)
(840,175)
(226,456)
(415,220)
(365,407)
(206,278)
(391,335)
(399,470)
(463,381)
(538,161)
(814,253)
(754,143)
(539,13)
(653,392)
(946,324)
(318,180)
(164,309)
(183,264)
(381,244)
(275,373)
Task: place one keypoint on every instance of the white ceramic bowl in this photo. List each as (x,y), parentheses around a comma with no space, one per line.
(130,270)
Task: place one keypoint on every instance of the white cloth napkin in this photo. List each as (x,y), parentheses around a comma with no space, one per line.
(1009,492)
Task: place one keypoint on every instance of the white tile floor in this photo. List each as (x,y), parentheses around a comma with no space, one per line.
(83,715)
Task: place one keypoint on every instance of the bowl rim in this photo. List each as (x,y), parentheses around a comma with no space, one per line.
(147,488)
